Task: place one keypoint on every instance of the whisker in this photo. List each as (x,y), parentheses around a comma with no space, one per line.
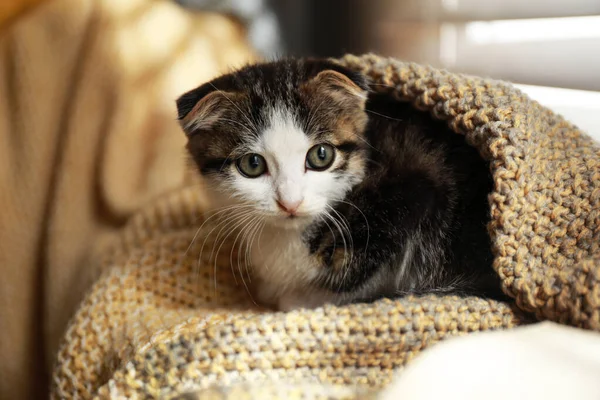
(382,84)
(237,222)
(343,226)
(240,233)
(262,228)
(235,213)
(252,126)
(249,239)
(346,226)
(366,222)
(217,212)
(312,115)
(362,139)
(257,236)
(232,222)
(331,230)
(246,229)
(231,227)
(227,159)
(232,121)
(383,115)
(228,221)
(339,228)
(220,211)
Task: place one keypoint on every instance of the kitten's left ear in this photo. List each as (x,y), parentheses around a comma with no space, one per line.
(200,108)
(187,101)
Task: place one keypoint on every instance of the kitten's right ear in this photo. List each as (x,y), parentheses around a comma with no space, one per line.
(340,84)
(200,108)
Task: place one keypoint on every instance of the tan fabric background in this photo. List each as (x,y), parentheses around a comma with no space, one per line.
(87,135)
(11,10)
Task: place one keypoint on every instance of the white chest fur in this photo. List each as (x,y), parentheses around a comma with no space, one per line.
(283,269)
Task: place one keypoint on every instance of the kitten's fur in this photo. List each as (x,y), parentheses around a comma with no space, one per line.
(409,195)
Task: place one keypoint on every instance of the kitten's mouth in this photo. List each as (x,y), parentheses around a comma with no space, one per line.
(296,216)
(292,220)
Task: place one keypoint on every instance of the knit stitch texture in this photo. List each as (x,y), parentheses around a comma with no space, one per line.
(161,324)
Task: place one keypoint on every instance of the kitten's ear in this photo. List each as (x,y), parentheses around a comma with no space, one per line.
(202,107)
(341,85)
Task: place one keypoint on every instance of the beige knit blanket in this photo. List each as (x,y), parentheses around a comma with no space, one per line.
(160,324)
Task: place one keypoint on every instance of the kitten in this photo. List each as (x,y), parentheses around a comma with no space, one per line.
(355,196)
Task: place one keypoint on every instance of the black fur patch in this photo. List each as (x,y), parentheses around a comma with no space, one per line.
(425,193)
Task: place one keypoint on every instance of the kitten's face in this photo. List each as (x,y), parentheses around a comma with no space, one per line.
(287,175)
(282,139)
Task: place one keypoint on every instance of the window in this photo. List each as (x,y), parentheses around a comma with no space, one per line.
(539,42)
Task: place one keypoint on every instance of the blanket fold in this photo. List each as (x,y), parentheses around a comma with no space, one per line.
(164,320)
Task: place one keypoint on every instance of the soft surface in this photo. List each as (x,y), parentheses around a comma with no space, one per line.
(155,324)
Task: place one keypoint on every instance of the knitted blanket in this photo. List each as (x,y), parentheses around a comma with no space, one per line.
(160,323)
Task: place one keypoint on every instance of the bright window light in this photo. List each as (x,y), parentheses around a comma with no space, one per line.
(563,97)
(533,30)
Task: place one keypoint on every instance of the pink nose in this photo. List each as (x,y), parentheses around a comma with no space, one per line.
(289,207)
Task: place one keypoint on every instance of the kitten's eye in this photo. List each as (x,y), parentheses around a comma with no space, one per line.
(320,157)
(252,165)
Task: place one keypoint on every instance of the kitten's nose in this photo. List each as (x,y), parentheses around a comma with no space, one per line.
(289,207)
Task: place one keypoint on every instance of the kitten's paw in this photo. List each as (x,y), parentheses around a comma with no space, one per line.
(293,301)
(290,303)
(272,296)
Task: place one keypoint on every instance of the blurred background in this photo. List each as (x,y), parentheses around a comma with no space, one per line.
(540,42)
